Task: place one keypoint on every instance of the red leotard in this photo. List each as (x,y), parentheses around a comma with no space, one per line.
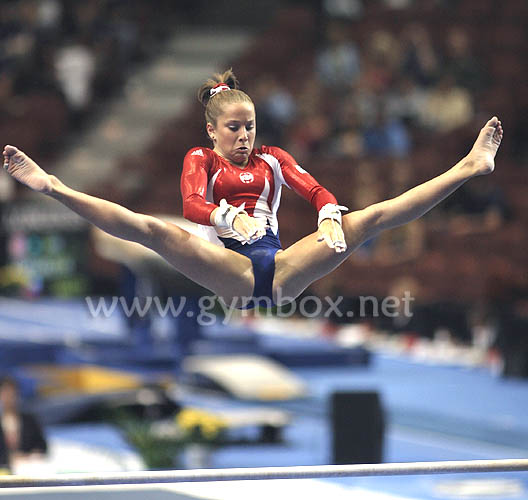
(207,178)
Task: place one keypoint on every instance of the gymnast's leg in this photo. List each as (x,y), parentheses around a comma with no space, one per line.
(223,271)
(309,259)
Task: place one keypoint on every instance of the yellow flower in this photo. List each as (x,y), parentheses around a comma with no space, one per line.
(195,420)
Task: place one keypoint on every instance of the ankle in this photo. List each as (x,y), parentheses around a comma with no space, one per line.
(54,186)
(466,166)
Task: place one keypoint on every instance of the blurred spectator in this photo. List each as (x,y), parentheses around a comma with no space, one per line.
(21,436)
(460,61)
(411,316)
(311,97)
(398,4)
(338,64)
(347,139)
(343,9)
(49,15)
(310,136)
(419,60)
(483,327)
(310,132)
(381,61)
(115,47)
(366,102)
(42,81)
(347,144)
(447,106)
(75,70)
(19,123)
(120,25)
(275,108)
(386,136)
(519,135)
(17,30)
(405,101)
(509,308)
(82,18)
(7,82)
(347,115)
(477,207)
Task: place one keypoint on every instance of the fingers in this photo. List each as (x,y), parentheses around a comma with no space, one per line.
(338,245)
(254,229)
(249,228)
(332,234)
(257,233)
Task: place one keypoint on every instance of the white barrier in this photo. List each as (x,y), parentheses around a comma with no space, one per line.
(244,474)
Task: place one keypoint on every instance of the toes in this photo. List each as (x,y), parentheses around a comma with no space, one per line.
(10,150)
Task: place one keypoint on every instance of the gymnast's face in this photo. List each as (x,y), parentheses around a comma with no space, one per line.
(234,133)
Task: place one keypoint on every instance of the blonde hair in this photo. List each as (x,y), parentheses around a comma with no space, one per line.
(214,104)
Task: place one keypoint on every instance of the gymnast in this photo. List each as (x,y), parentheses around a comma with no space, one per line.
(233,192)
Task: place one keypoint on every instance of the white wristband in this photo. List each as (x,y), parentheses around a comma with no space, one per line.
(331,211)
(225,215)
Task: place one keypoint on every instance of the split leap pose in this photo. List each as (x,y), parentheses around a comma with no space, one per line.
(233,191)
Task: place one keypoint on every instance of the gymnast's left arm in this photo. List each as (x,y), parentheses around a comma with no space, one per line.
(305,185)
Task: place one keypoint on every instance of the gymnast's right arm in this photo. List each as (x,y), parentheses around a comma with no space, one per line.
(193,187)
(110,217)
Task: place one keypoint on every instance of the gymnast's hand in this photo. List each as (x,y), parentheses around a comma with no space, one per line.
(331,232)
(248,227)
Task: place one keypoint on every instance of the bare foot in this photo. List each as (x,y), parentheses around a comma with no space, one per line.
(482,155)
(21,167)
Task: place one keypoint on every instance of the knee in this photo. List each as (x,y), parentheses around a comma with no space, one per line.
(164,237)
(361,225)
(285,293)
(237,293)
(155,232)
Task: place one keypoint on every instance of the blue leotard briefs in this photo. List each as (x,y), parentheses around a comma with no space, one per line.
(262,256)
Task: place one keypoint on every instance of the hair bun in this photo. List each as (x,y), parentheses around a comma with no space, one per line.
(226,78)
(219,87)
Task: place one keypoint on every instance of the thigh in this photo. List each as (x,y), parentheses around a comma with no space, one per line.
(308,260)
(225,272)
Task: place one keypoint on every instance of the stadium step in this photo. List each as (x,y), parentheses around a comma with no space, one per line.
(160,91)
